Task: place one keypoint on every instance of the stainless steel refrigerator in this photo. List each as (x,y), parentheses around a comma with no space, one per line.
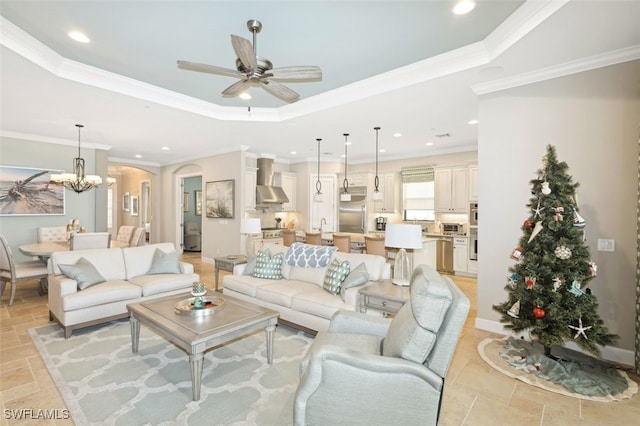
(352,215)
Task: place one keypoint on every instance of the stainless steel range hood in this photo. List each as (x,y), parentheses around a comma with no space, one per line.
(266,192)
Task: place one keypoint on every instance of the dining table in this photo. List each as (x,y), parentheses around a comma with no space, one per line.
(44,250)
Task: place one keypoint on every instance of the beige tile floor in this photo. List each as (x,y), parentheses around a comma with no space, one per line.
(475,393)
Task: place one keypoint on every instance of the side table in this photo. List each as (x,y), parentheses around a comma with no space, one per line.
(227,263)
(383,296)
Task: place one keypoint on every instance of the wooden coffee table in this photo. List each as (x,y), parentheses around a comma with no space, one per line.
(197,333)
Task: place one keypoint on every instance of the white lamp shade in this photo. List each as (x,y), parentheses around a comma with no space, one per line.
(403,235)
(377,196)
(250,226)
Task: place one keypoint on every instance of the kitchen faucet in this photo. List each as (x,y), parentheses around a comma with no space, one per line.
(323,220)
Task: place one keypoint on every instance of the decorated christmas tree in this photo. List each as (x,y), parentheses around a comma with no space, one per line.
(548,286)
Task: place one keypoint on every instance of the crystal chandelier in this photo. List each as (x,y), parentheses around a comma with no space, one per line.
(77,181)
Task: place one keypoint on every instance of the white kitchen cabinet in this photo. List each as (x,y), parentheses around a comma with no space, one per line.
(249,194)
(472,267)
(460,254)
(473,184)
(289,184)
(451,189)
(354,179)
(258,242)
(327,209)
(387,185)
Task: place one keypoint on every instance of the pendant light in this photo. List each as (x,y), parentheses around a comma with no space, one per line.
(317,197)
(345,196)
(377,195)
(77,181)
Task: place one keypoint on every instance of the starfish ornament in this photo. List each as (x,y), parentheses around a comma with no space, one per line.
(580,330)
(538,210)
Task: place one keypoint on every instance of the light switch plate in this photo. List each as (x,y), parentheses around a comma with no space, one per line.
(606,245)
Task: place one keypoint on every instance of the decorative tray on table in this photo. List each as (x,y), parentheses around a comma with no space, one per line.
(212,304)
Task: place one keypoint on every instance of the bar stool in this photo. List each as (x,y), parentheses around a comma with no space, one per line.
(288,237)
(343,242)
(313,238)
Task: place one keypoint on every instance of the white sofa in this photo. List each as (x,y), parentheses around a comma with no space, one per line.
(126,281)
(300,297)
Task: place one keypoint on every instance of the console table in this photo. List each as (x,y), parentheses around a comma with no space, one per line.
(227,263)
(383,296)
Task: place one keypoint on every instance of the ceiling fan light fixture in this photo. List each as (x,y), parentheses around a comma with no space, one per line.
(345,196)
(245,95)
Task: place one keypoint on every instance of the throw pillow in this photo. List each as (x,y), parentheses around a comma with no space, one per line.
(308,255)
(250,267)
(83,272)
(267,266)
(336,273)
(164,263)
(357,277)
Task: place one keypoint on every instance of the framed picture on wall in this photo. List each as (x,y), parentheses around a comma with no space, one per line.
(220,199)
(185,202)
(134,205)
(198,197)
(29,192)
(125,202)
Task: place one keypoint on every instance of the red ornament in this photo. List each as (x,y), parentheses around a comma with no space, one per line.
(529,224)
(538,312)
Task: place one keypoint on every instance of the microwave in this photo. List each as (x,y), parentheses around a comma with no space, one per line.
(453,229)
(473,214)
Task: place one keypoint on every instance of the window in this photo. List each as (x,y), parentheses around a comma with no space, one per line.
(418,193)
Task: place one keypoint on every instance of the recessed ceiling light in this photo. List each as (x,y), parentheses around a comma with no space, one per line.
(429,143)
(383,150)
(464,6)
(473,121)
(78,36)
(138,156)
(397,135)
(165,148)
(293,153)
(245,95)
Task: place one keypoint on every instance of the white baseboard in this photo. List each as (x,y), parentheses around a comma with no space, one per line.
(610,353)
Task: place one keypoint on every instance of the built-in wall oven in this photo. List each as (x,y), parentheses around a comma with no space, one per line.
(473,214)
(473,243)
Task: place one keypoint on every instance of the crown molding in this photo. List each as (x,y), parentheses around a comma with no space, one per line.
(48,139)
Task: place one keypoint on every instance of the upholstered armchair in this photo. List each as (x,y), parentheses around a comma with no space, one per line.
(367,370)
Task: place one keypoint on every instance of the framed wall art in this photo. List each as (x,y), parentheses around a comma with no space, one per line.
(198,197)
(134,205)
(220,199)
(125,202)
(185,202)
(29,192)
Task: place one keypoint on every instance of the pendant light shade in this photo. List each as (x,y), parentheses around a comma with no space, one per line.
(317,196)
(77,180)
(377,195)
(345,196)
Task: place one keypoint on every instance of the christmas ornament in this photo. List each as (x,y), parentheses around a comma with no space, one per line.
(538,312)
(514,310)
(580,329)
(557,282)
(528,224)
(530,282)
(575,288)
(537,365)
(538,210)
(513,280)
(536,230)
(578,221)
(545,188)
(562,252)
(558,217)
(593,268)
(516,254)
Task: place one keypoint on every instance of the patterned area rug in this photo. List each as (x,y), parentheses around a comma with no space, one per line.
(104,383)
(574,374)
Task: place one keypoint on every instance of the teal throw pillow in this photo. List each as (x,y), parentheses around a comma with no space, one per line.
(357,277)
(267,266)
(165,263)
(335,275)
(83,272)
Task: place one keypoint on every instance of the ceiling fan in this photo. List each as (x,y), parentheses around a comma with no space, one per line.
(255,71)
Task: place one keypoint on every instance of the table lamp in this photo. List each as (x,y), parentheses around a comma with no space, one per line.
(403,236)
(250,226)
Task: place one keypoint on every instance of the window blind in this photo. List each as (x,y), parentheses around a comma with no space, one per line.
(417,174)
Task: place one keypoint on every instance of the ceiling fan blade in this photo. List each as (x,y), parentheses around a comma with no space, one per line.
(244,51)
(296,73)
(211,69)
(280,91)
(236,88)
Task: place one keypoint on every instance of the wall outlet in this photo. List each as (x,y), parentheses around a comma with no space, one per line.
(606,245)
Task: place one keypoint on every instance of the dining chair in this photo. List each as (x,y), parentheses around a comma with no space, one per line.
(125,232)
(343,242)
(51,234)
(288,237)
(12,272)
(138,237)
(90,240)
(314,238)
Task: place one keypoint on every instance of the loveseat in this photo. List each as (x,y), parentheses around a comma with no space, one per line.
(309,285)
(88,287)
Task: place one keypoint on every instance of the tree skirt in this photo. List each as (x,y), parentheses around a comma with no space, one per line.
(573,374)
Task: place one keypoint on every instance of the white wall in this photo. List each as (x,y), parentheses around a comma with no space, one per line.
(593,120)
